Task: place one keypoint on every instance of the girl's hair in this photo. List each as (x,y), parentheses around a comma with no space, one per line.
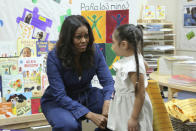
(66,50)
(134,36)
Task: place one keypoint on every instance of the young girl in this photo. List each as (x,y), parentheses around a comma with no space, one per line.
(130,109)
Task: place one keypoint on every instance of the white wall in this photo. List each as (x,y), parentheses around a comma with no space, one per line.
(174,14)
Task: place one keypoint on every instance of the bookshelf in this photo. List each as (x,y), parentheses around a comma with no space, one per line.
(159,40)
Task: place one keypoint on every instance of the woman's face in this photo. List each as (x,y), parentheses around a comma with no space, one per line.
(81,39)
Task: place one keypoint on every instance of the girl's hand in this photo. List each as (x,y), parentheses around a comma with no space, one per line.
(133,125)
(105,108)
(97,119)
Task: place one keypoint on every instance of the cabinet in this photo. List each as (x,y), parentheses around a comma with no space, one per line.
(159,40)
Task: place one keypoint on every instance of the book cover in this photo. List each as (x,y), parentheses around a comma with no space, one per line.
(44,82)
(21,103)
(6,110)
(42,48)
(35,105)
(26,47)
(51,45)
(8,66)
(31,69)
(12,84)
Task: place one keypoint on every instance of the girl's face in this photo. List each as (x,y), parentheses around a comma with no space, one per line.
(26,52)
(116,47)
(81,39)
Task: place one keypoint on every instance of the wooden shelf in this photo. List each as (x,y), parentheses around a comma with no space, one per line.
(157,34)
(23,121)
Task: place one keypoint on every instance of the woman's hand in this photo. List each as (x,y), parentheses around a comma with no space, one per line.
(105,108)
(133,124)
(98,119)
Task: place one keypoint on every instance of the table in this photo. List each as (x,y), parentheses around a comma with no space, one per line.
(172,88)
(20,122)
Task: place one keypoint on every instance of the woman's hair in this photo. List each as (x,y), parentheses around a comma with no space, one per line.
(66,50)
(134,36)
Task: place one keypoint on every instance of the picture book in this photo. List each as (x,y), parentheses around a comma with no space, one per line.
(35,105)
(21,103)
(44,82)
(12,84)
(51,45)
(31,69)
(42,48)
(6,110)
(8,66)
(26,47)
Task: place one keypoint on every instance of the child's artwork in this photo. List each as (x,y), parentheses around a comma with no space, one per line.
(6,110)
(58,1)
(8,66)
(21,103)
(111,57)
(190,16)
(24,31)
(102,48)
(160,12)
(41,24)
(26,48)
(149,12)
(97,20)
(42,48)
(31,69)
(114,18)
(12,84)
(190,35)
(62,18)
(1,23)
(35,105)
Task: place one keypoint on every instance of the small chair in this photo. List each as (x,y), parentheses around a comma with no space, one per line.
(161,119)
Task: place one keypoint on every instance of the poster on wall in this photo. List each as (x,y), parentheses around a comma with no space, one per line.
(114,18)
(97,20)
(189,15)
(39,23)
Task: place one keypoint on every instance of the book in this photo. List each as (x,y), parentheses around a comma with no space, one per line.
(6,110)
(12,84)
(8,66)
(21,103)
(182,80)
(31,69)
(26,47)
(42,48)
(35,105)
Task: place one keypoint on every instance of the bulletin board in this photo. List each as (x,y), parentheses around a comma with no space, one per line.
(28,19)
(186,26)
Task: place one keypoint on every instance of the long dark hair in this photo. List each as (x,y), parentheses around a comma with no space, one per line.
(66,50)
(134,36)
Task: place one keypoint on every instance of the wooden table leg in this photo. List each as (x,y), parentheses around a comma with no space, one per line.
(171,93)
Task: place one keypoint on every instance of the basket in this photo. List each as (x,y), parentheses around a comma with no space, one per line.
(178,125)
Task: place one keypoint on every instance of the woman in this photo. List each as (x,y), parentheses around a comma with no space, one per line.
(71,66)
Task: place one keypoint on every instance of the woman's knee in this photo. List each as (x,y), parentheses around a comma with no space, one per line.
(67,125)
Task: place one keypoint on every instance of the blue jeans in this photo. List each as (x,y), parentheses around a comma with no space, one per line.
(63,120)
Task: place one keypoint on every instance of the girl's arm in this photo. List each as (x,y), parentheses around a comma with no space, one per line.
(139,100)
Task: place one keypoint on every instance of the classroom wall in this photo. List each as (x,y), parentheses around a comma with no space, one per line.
(174,14)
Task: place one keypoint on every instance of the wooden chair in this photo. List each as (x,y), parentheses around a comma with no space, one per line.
(161,119)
